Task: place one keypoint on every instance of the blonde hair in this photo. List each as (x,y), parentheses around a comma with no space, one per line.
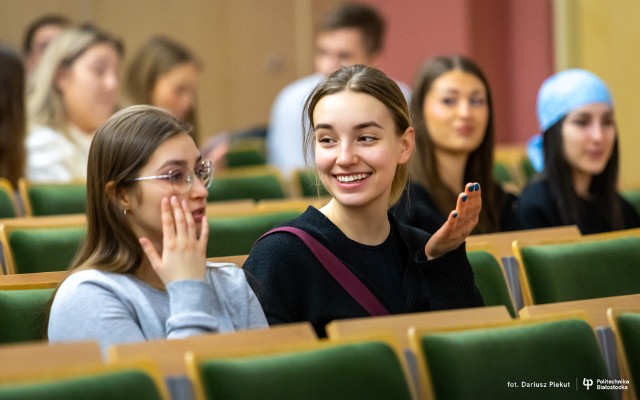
(45,104)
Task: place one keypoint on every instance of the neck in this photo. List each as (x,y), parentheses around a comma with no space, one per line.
(76,127)
(451,168)
(366,225)
(581,184)
(148,275)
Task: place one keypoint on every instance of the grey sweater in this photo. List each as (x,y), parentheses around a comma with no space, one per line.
(116,308)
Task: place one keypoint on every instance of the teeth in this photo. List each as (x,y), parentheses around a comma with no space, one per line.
(351,178)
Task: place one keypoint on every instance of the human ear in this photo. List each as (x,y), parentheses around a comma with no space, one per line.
(407,143)
(121,198)
(62,79)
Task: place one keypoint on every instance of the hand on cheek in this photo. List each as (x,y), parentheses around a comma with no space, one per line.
(459,225)
(183,247)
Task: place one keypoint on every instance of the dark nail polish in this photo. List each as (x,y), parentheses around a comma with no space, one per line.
(472,188)
(455,215)
(464,198)
(477,186)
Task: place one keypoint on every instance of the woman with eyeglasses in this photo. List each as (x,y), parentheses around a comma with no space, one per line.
(141,273)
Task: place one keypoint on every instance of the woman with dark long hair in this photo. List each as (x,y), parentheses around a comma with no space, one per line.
(453,118)
(580,157)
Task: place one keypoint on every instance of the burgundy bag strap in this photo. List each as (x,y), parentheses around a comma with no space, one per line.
(338,271)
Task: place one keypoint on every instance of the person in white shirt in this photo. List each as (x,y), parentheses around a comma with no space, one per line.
(351,34)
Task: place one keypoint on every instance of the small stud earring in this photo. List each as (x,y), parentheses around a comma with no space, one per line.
(125,211)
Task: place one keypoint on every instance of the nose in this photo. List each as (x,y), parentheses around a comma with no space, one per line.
(598,131)
(112,81)
(464,108)
(198,190)
(346,155)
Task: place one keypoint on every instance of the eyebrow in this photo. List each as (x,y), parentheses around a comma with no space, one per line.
(179,163)
(360,126)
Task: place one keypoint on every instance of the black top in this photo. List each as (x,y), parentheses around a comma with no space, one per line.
(417,208)
(538,209)
(293,286)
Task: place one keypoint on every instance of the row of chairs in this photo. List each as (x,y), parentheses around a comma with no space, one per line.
(569,268)
(498,358)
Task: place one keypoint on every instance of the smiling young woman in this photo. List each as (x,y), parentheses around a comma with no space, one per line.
(452,109)
(362,141)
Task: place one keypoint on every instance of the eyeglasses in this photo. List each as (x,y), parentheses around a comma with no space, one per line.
(181,178)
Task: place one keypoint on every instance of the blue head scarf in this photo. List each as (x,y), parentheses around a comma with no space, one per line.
(559,95)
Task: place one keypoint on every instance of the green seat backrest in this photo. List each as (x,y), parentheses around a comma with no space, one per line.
(248,187)
(22,315)
(575,271)
(490,280)
(501,173)
(310,184)
(246,152)
(367,370)
(116,385)
(230,236)
(499,363)
(45,249)
(7,207)
(58,199)
(633,197)
(629,328)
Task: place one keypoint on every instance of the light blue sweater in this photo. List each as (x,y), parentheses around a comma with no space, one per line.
(116,308)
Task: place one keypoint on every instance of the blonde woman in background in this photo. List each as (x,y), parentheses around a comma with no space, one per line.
(73,90)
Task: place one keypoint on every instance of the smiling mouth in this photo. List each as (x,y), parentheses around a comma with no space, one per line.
(351,178)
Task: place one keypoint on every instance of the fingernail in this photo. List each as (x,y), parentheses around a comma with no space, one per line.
(455,214)
(472,188)
(464,197)
(477,186)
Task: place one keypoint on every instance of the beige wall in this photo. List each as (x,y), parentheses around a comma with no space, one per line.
(604,37)
(250,49)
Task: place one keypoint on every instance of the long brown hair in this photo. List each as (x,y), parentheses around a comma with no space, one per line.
(154,59)
(479,166)
(120,148)
(12,116)
(367,80)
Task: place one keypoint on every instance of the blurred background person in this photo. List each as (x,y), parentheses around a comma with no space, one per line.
(453,119)
(579,179)
(350,34)
(38,36)
(74,89)
(12,115)
(165,74)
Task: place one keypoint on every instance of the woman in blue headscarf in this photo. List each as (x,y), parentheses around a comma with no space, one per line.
(578,158)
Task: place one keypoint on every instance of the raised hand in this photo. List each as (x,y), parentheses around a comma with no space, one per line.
(459,225)
(183,249)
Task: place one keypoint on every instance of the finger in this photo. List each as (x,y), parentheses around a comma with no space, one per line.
(151,252)
(168,226)
(179,218)
(191,224)
(204,236)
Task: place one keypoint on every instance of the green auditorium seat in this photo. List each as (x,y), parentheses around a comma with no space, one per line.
(360,370)
(518,360)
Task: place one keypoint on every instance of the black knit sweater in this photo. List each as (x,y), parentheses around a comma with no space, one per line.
(293,286)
